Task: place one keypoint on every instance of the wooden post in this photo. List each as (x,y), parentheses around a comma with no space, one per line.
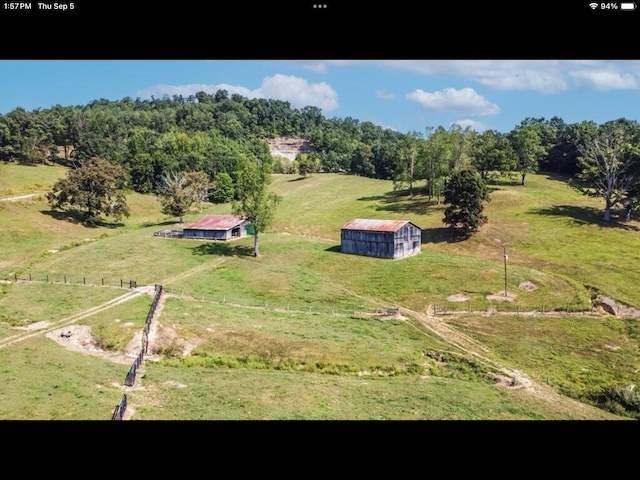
(29,277)
(103,282)
(65,279)
(84,280)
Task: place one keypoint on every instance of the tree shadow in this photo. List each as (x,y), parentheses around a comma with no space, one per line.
(586,215)
(297,179)
(79,218)
(161,224)
(442,235)
(401,201)
(222,248)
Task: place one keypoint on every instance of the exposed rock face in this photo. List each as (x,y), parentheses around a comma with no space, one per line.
(288,147)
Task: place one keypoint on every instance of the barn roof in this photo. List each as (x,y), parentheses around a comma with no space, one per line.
(215,222)
(375,225)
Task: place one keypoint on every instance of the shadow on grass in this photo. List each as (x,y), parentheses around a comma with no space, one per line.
(160,224)
(220,247)
(79,218)
(585,215)
(335,249)
(297,179)
(401,201)
(442,235)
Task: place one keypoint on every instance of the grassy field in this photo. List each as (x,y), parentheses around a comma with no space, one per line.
(293,335)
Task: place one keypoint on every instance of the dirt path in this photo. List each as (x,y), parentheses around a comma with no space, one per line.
(41,328)
(14,198)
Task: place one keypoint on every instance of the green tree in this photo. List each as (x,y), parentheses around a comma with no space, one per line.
(223,190)
(465,191)
(607,165)
(307,163)
(254,201)
(526,145)
(92,190)
(492,152)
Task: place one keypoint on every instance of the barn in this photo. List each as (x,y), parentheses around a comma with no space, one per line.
(216,227)
(380,238)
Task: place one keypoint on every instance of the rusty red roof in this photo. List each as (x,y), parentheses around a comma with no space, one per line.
(215,222)
(374,225)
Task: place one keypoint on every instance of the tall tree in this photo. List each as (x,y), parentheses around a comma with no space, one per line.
(179,191)
(465,191)
(254,200)
(528,149)
(492,152)
(606,164)
(94,189)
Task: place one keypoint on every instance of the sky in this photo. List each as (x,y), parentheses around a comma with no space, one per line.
(402,95)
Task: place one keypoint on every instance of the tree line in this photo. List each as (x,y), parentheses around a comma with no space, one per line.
(204,140)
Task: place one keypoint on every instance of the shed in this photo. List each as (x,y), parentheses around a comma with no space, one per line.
(216,227)
(380,238)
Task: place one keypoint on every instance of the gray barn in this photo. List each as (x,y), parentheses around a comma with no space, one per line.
(380,238)
(216,227)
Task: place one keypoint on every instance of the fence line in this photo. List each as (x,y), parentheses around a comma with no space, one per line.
(69,280)
(130,379)
(492,309)
(118,412)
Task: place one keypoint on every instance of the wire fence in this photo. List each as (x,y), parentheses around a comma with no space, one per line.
(130,379)
(493,309)
(72,280)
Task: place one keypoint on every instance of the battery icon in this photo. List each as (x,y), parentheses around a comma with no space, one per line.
(627,6)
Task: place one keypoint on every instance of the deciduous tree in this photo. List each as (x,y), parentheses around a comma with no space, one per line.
(92,190)
(254,200)
(465,191)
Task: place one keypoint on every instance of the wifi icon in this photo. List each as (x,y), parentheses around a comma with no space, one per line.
(593,5)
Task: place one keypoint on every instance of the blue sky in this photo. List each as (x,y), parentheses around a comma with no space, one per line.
(404,95)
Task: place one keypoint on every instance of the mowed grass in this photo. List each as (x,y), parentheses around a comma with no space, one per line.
(248,394)
(24,303)
(16,179)
(305,295)
(42,380)
(579,356)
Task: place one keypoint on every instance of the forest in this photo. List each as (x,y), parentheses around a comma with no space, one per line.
(216,134)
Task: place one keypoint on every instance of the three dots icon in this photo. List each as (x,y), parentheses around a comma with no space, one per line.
(320,6)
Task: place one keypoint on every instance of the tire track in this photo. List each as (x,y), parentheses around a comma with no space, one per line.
(5,342)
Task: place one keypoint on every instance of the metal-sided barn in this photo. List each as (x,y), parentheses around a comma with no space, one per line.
(216,227)
(380,238)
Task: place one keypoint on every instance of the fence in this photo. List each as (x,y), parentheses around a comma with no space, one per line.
(130,379)
(71,280)
(118,412)
(492,309)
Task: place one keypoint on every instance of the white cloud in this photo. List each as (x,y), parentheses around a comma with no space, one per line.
(299,92)
(295,90)
(543,76)
(465,101)
(384,95)
(604,80)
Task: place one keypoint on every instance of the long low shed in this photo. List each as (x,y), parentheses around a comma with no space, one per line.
(216,227)
(380,238)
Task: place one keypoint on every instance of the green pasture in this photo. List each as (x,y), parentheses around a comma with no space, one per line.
(287,336)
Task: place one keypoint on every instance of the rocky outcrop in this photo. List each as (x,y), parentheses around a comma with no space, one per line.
(288,147)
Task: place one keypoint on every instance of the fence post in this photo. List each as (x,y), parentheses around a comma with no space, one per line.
(84,281)
(103,282)
(15,276)
(65,279)
(29,277)
(47,278)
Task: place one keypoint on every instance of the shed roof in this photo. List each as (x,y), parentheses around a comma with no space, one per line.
(215,222)
(375,225)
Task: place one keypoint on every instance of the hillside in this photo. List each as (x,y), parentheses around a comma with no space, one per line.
(301,333)
(288,147)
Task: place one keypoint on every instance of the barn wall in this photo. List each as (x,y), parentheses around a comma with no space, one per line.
(372,244)
(207,234)
(407,240)
(404,241)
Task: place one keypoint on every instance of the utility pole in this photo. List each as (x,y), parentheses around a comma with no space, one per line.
(504,254)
